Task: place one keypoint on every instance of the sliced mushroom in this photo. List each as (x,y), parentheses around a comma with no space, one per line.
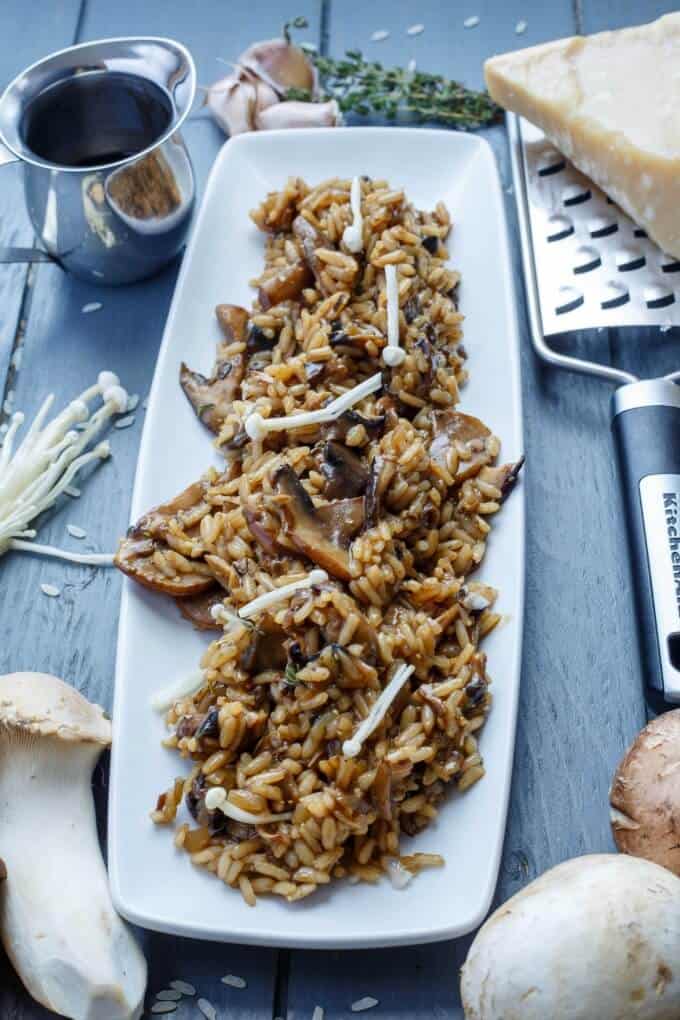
(197,608)
(452,427)
(339,428)
(233,321)
(645,794)
(322,534)
(345,473)
(380,475)
(310,239)
(135,556)
(257,529)
(286,285)
(266,648)
(212,398)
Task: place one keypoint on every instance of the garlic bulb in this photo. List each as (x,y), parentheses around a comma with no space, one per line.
(280,64)
(253,96)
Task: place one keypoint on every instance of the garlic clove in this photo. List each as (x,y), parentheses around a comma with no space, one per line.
(231,101)
(265,96)
(293,114)
(279,63)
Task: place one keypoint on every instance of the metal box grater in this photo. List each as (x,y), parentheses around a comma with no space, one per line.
(588,266)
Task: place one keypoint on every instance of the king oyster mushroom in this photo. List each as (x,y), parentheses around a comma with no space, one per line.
(645,794)
(58,925)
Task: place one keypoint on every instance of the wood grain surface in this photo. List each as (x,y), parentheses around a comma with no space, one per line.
(581,697)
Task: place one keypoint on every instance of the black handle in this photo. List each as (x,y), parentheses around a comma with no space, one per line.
(646,427)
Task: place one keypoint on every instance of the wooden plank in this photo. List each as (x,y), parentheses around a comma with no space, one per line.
(74,636)
(22,41)
(581,699)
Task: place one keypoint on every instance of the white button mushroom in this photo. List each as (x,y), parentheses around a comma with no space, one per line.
(645,794)
(58,925)
(596,938)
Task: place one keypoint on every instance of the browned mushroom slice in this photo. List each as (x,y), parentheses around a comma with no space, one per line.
(259,532)
(380,475)
(339,428)
(452,427)
(323,534)
(310,239)
(345,472)
(233,321)
(136,552)
(197,608)
(212,398)
(266,648)
(135,557)
(286,285)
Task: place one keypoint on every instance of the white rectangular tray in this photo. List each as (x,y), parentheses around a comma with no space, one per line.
(153,884)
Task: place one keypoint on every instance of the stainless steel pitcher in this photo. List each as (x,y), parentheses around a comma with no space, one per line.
(108,181)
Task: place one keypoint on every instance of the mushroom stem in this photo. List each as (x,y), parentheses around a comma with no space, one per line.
(58,925)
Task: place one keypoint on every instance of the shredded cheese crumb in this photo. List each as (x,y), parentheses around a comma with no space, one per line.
(353,235)
(216,800)
(393,355)
(257,427)
(270,598)
(352,747)
(162,700)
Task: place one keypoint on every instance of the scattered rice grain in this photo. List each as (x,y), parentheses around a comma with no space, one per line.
(76,532)
(380,35)
(520,27)
(471,22)
(368,1002)
(234,981)
(93,306)
(207,1009)
(415,29)
(168,995)
(183,986)
(50,590)
(124,423)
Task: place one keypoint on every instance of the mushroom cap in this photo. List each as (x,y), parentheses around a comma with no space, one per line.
(46,706)
(645,794)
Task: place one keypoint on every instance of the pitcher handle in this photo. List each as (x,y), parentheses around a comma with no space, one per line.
(6,155)
(10,255)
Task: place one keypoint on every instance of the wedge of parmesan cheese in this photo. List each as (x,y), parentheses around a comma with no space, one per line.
(611,103)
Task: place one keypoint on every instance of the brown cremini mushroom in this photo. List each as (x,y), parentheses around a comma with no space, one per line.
(286,285)
(137,552)
(645,794)
(212,397)
(452,428)
(323,534)
(345,472)
(197,608)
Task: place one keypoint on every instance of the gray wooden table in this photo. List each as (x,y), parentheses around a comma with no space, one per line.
(581,695)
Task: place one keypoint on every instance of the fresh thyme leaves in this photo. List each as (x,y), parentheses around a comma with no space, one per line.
(366,87)
(290,674)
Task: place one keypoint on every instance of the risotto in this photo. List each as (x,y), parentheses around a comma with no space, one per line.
(335,555)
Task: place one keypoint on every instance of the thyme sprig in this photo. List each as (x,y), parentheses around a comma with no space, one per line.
(365,87)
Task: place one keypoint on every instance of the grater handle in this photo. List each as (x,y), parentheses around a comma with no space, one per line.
(646,427)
